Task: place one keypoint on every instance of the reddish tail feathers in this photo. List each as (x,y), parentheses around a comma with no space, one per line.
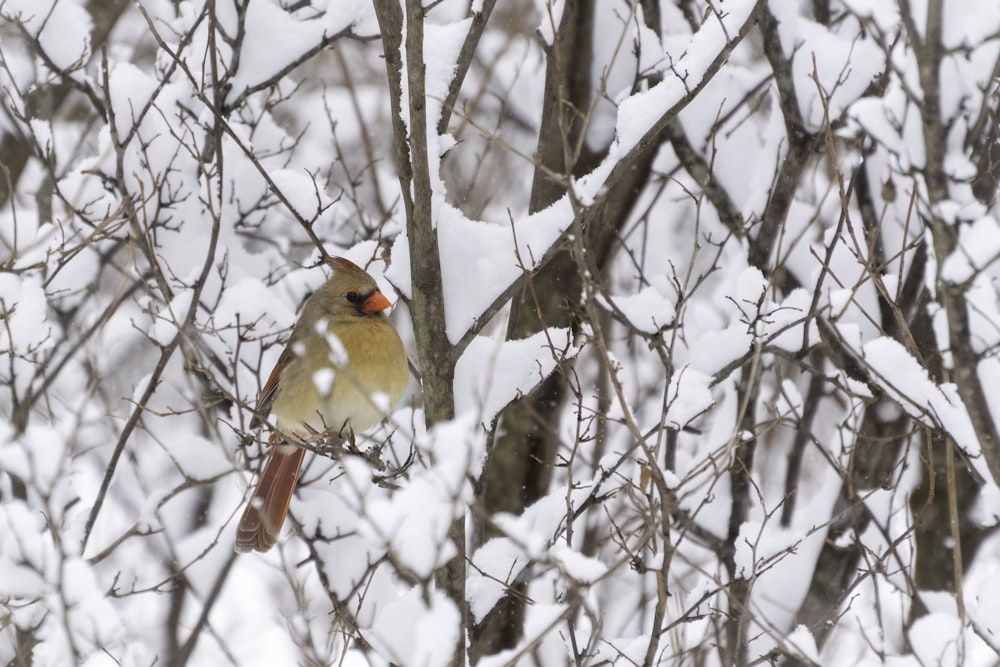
(261,521)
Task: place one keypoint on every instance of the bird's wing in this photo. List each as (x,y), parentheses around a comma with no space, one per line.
(270,390)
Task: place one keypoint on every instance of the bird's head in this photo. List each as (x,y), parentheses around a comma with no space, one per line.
(350,292)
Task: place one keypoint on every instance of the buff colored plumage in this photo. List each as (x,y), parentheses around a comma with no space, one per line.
(342,367)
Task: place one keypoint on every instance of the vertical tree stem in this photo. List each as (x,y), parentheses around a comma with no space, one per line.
(427,301)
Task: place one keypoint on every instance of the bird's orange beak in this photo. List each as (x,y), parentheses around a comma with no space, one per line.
(376,303)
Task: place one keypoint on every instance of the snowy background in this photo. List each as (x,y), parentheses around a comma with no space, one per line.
(710,376)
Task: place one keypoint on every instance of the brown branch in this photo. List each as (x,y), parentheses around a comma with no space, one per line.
(799,146)
(64,74)
(652,137)
(465,57)
(186,650)
(427,300)
(965,367)
(288,68)
(701,171)
(178,338)
(233,135)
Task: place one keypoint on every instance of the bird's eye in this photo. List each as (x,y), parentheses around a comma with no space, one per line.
(353,297)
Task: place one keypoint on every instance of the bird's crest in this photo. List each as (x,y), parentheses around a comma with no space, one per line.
(342,265)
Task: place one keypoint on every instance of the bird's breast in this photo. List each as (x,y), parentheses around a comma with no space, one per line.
(322,390)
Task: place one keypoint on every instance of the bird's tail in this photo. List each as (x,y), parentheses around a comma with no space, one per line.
(265,513)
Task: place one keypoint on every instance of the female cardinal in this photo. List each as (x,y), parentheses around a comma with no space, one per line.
(341,355)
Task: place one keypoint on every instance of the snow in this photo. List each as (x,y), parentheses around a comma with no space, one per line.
(23,304)
(968,22)
(789,401)
(689,396)
(287,38)
(480,259)
(804,643)
(303,193)
(492,373)
(91,295)
(716,349)
(62,28)
(887,120)
(130,87)
(978,247)
(405,634)
(934,639)
(639,112)
(442,44)
(170,319)
(24,542)
(413,525)
(897,373)
(842,67)
(197,458)
(500,561)
(784,324)
(649,310)
(540,618)
(577,566)
(495,565)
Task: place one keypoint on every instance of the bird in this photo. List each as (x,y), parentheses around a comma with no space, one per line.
(343,335)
